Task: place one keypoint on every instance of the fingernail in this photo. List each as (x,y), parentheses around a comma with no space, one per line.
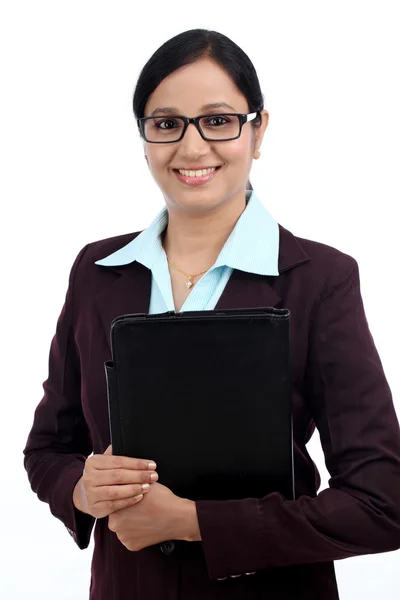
(145,486)
(154,476)
(151,465)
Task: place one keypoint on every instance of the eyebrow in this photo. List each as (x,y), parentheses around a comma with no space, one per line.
(173,110)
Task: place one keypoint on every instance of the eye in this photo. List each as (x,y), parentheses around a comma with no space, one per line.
(167,124)
(218,120)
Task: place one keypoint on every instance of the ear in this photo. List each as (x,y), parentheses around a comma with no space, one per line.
(260,131)
(144,149)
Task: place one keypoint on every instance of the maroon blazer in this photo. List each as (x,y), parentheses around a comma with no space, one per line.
(251,548)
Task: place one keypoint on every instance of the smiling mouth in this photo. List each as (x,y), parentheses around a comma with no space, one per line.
(197,172)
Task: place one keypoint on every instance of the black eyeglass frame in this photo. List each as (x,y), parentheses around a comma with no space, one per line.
(243,118)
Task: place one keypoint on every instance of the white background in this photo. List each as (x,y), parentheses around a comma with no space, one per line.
(73,171)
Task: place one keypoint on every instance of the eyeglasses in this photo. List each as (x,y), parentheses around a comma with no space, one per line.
(213,128)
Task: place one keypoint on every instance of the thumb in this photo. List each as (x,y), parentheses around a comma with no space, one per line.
(109,450)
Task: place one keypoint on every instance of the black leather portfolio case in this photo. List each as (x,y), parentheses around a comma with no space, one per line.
(207,396)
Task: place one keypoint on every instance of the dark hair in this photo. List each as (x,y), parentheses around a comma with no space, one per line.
(186,48)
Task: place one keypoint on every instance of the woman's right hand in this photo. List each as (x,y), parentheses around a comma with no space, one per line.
(110,483)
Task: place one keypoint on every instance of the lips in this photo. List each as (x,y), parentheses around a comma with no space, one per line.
(196,180)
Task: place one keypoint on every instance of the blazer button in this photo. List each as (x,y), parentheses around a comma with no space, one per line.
(167,547)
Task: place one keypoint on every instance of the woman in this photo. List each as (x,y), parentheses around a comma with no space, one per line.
(201,118)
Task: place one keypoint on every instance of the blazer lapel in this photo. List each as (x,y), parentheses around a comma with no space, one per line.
(130,285)
(248,290)
(127,293)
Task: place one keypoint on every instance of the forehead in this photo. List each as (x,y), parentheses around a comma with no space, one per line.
(193,86)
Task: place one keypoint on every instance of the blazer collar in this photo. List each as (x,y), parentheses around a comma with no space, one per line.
(130,285)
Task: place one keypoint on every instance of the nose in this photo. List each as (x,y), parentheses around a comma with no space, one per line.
(192,143)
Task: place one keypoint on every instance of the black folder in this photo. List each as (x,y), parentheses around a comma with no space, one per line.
(207,396)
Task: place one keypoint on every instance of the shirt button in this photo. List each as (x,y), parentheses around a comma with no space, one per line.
(252,573)
(167,547)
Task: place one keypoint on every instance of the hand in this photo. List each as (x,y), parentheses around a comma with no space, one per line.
(160,516)
(110,483)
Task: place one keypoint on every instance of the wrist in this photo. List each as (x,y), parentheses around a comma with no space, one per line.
(190,525)
(78,496)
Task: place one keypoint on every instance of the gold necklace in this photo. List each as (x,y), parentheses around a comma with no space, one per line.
(188,283)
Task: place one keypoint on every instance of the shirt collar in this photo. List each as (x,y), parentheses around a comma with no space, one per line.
(252,246)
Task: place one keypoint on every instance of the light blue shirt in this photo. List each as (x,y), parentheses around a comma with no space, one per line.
(252,246)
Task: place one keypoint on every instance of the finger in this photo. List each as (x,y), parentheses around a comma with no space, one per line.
(103,509)
(120,476)
(103,461)
(122,492)
(115,505)
(109,450)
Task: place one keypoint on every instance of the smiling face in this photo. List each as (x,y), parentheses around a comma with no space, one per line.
(189,91)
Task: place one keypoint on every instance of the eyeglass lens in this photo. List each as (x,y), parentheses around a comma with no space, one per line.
(169,129)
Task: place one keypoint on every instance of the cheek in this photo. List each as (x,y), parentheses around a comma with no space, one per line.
(238,153)
(158,158)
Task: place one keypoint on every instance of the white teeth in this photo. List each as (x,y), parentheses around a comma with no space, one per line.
(199,173)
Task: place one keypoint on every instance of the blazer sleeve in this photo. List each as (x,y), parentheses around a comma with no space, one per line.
(353,410)
(59,441)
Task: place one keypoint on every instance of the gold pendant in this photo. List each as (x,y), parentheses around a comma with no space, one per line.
(189,283)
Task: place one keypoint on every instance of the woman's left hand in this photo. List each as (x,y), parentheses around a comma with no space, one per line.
(159,516)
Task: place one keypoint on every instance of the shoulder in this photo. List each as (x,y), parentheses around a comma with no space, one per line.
(324,266)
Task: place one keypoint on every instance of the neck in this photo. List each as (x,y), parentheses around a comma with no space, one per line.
(194,241)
